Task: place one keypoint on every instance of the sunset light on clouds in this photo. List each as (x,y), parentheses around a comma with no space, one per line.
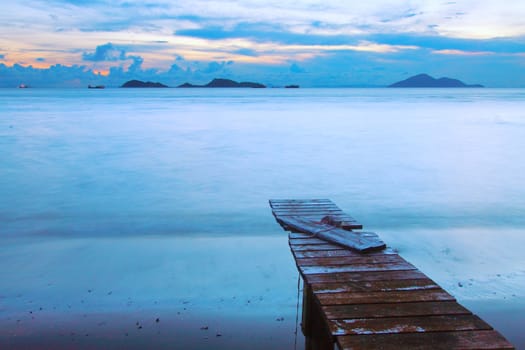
(315,43)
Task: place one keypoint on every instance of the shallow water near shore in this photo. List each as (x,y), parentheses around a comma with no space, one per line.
(162,196)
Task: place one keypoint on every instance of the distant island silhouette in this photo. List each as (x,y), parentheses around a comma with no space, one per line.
(224,83)
(426,81)
(142,84)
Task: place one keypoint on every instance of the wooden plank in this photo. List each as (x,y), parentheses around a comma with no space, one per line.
(309,240)
(357,259)
(298,235)
(335,253)
(306,270)
(442,323)
(318,216)
(294,244)
(349,223)
(315,216)
(365,276)
(375,286)
(316,247)
(429,308)
(360,241)
(307,208)
(480,340)
(383,297)
(317,200)
(307,211)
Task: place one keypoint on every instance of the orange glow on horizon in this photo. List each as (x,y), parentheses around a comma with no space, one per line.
(36,65)
(103,72)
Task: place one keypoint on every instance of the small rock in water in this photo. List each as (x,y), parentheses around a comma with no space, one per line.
(218,334)
(204,328)
(279,319)
(460,284)
(157,320)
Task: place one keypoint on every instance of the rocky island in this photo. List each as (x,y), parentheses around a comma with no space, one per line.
(426,81)
(224,83)
(142,84)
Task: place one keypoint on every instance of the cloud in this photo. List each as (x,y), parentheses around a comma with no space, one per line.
(106,52)
(144,38)
(294,68)
(462,53)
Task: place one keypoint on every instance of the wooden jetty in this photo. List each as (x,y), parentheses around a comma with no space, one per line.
(374,300)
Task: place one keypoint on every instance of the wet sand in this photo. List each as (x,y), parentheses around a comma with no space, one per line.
(216,292)
(135,293)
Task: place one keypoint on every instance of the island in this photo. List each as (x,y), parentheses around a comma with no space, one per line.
(142,84)
(426,81)
(224,83)
(293,86)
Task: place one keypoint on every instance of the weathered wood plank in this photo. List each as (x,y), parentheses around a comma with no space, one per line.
(306,208)
(316,200)
(317,216)
(294,244)
(316,247)
(306,270)
(298,235)
(335,253)
(480,340)
(305,211)
(360,241)
(440,323)
(383,297)
(428,308)
(365,276)
(375,286)
(357,259)
(309,240)
(319,203)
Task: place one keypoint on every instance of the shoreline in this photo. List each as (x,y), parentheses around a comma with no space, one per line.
(56,291)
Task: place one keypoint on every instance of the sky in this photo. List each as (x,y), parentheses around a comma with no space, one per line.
(313,43)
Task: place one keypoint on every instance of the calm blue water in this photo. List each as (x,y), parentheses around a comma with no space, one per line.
(183,162)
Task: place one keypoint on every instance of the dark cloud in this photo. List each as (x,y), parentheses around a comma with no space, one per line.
(54,76)
(214,67)
(136,65)
(106,52)
(109,53)
(40,59)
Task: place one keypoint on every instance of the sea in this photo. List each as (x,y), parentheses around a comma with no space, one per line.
(148,202)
